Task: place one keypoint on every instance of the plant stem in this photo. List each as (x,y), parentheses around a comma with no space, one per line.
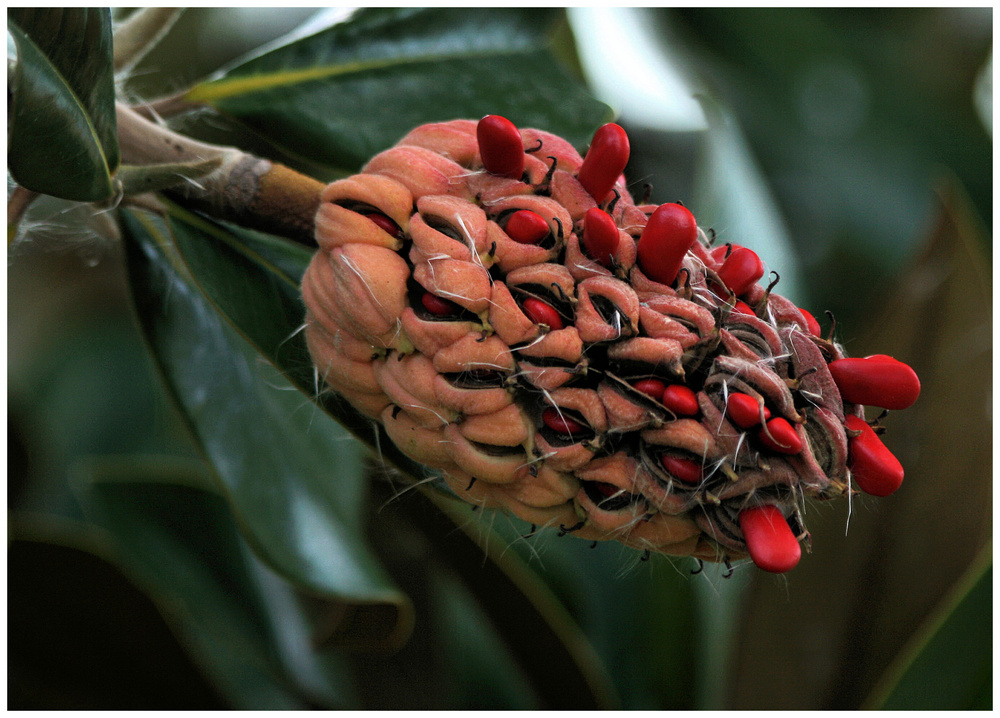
(140,32)
(169,106)
(245,189)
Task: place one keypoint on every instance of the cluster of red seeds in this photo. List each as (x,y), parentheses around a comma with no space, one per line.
(514,320)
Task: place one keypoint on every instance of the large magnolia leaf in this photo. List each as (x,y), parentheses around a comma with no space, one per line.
(342,95)
(62,128)
(294,478)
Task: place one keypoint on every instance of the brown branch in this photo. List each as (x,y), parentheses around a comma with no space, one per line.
(244,189)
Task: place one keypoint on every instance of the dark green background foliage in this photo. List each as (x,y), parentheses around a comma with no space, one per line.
(191,526)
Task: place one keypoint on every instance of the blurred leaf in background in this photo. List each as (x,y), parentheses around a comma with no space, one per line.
(852,114)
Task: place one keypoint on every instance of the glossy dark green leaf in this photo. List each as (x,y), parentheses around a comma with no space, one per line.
(239,620)
(950,665)
(342,95)
(62,133)
(294,477)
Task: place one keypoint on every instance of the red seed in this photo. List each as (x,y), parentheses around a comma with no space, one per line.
(814,327)
(600,236)
(526,227)
(876,381)
(438,306)
(605,489)
(741,270)
(744,411)
(384,223)
(873,466)
(541,313)
(680,400)
(770,540)
(681,468)
(605,161)
(560,423)
(500,147)
(652,388)
(785,440)
(669,233)
(744,308)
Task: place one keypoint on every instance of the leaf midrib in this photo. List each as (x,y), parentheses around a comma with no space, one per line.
(246,84)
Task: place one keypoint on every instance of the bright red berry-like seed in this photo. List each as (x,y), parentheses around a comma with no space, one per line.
(526,227)
(770,540)
(744,308)
(438,306)
(600,236)
(874,468)
(681,468)
(680,400)
(605,161)
(744,411)
(560,423)
(876,381)
(669,233)
(785,440)
(653,388)
(741,270)
(814,327)
(541,313)
(500,147)
(386,224)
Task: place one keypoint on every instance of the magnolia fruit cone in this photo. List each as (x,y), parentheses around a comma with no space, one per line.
(556,351)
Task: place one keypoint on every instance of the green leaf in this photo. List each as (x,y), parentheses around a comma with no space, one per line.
(950,665)
(342,95)
(294,478)
(63,138)
(238,619)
